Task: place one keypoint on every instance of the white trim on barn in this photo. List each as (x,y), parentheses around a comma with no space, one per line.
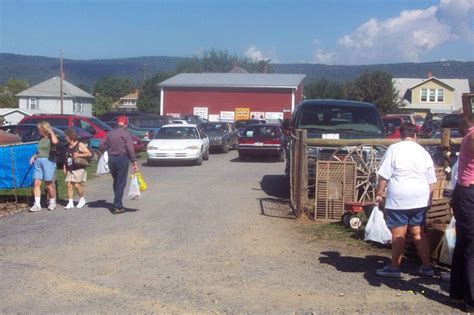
(162,97)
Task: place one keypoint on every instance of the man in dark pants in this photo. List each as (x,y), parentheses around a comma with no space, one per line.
(119,145)
(462,265)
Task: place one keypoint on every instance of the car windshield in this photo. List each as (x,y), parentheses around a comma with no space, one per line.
(148,121)
(177,133)
(244,123)
(340,118)
(99,123)
(214,126)
(262,132)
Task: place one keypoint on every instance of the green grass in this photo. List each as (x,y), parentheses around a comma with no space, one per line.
(333,231)
(7,194)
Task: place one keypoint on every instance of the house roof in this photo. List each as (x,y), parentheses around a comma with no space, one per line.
(130,96)
(6,111)
(51,88)
(443,82)
(244,80)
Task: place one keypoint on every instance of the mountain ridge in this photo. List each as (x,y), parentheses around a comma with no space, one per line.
(85,73)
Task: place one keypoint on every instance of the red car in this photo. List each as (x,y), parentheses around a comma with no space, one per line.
(392,126)
(262,140)
(91,124)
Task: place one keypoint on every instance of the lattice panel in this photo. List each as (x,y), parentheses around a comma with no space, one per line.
(335,184)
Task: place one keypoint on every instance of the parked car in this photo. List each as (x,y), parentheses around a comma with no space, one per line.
(221,135)
(193,119)
(437,152)
(91,124)
(262,140)
(451,121)
(180,121)
(82,135)
(419,120)
(143,134)
(406,118)
(240,125)
(30,133)
(178,142)
(429,127)
(392,126)
(143,121)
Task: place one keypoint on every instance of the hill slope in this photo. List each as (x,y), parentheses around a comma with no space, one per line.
(35,69)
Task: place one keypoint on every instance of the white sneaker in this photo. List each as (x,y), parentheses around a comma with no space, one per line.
(81,203)
(70,205)
(35,208)
(52,206)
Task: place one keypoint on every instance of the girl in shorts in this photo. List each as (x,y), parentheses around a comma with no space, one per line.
(75,172)
(44,163)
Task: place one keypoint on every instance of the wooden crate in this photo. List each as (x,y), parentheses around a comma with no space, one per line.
(440,184)
(335,184)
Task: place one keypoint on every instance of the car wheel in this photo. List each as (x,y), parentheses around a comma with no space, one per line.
(242,156)
(225,147)
(199,160)
(205,157)
(150,162)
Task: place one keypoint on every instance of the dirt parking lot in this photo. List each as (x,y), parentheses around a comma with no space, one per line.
(215,238)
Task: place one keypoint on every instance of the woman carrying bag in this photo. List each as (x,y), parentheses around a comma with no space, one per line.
(44,161)
(75,168)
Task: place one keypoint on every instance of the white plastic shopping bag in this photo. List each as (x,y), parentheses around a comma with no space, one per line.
(376,229)
(447,243)
(103,164)
(134,189)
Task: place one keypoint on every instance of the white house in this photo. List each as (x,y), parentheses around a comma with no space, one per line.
(127,103)
(438,95)
(45,98)
(12,116)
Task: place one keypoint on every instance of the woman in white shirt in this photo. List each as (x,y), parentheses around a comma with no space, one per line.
(407,172)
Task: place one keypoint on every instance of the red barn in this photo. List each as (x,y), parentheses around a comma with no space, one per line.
(232,96)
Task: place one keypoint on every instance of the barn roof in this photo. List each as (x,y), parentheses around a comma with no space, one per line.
(242,80)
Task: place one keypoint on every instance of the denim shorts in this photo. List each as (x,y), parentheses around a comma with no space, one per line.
(397,218)
(44,169)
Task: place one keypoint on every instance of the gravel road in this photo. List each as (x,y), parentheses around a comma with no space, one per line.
(197,242)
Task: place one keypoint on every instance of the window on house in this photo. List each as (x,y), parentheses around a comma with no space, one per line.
(440,97)
(33,103)
(424,93)
(432,95)
(77,106)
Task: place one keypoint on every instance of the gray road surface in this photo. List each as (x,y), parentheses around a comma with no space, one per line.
(196,243)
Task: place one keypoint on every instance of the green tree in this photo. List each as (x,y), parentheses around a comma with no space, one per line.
(323,88)
(221,61)
(9,90)
(102,105)
(374,87)
(149,97)
(114,87)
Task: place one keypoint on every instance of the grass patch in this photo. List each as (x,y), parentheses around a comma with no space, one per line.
(333,231)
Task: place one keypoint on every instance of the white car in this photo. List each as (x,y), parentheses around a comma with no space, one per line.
(180,122)
(178,142)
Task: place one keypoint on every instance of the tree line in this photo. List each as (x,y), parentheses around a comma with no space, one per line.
(371,86)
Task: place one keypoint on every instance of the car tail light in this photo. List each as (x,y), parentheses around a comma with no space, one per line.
(272,141)
(246,141)
(147,135)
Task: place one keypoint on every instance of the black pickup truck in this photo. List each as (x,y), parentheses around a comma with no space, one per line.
(335,119)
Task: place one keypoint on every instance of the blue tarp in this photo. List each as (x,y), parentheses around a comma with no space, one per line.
(15,168)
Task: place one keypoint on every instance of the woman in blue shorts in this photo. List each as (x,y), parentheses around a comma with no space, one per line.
(407,171)
(44,163)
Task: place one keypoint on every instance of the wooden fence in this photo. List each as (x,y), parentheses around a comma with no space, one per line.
(303,172)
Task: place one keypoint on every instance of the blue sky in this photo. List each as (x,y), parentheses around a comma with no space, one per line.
(285,31)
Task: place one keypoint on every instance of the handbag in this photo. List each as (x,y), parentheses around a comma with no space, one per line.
(103,164)
(81,162)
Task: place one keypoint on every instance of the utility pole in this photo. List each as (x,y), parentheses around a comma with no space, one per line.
(61,83)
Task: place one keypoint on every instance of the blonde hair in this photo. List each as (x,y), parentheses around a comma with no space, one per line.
(44,126)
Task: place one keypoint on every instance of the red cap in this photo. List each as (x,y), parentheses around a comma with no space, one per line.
(122,119)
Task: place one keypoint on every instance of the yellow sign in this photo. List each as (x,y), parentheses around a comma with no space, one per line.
(242,113)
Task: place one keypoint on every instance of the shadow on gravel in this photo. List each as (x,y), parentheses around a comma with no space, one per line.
(278,203)
(102,204)
(276,208)
(416,284)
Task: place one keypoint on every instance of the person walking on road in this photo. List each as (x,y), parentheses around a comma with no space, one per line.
(407,171)
(75,168)
(119,145)
(44,161)
(462,265)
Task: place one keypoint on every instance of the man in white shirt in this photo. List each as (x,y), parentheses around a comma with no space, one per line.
(407,171)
